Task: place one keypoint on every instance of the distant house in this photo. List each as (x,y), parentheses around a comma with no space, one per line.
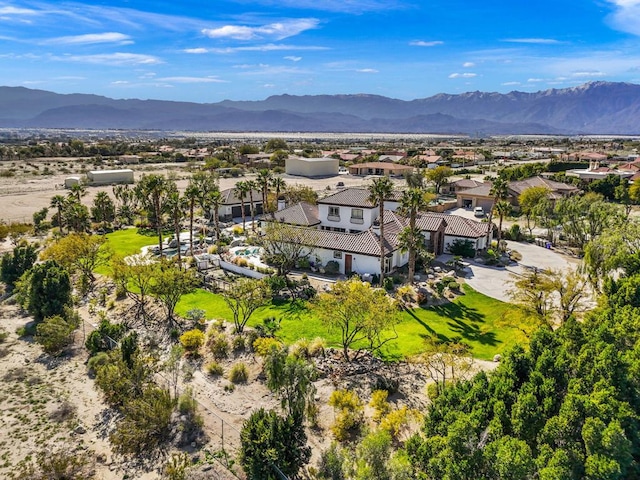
(312,167)
(480,196)
(461,185)
(379,168)
(110,177)
(231,205)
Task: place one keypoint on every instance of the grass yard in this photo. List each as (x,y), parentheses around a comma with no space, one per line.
(473,318)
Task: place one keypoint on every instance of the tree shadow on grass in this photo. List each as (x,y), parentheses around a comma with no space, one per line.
(432,334)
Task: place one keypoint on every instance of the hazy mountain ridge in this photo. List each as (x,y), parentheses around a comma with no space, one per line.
(592,108)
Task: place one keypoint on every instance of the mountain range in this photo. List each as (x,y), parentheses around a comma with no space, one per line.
(596,108)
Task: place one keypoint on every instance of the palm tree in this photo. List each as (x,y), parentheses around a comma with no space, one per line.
(214,198)
(279,185)
(191,195)
(499,191)
(241,189)
(175,207)
(502,208)
(77,190)
(152,191)
(413,201)
(264,181)
(252,186)
(379,190)
(58,202)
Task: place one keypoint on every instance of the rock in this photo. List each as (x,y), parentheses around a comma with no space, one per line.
(101,458)
(497,357)
(79,430)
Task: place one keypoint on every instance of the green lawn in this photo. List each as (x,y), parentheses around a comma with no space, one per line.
(473,317)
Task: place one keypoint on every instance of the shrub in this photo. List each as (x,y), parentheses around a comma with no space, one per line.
(388,283)
(97,361)
(464,248)
(454,286)
(264,346)
(332,267)
(300,349)
(349,413)
(380,404)
(238,343)
(54,334)
(239,373)
(214,369)
(219,346)
(317,347)
(192,340)
(390,385)
(396,420)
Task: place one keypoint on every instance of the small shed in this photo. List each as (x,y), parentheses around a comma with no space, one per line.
(110,177)
(71,181)
(312,167)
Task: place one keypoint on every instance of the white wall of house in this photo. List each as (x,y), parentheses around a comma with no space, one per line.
(346,218)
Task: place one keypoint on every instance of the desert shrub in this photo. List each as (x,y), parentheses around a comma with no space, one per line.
(317,346)
(251,337)
(464,248)
(196,316)
(61,464)
(406,293)
(54,334)
(269,327)
(214,369)
(3,334)
(332,462)
(192,340)
(239,373)
(238,343)
(448,279)
(349,413)
(241,262)
(396,420)
(237,230)
(300,349)
(218,346)
(379,404)
(388,283)
(433,391)
(264,346)
(453,286)
(97,361)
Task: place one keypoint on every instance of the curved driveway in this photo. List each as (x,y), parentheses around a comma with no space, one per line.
(495,282)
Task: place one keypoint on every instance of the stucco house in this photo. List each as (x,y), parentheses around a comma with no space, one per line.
(344,227)
(380,168)
(231,205)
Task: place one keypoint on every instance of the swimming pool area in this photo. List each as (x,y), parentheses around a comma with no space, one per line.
(246,251)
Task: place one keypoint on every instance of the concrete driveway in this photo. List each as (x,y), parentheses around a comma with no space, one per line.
(496,282)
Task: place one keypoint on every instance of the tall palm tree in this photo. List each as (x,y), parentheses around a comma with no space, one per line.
(379,190)
(279,185)
(58,202)
(412,202)
(252,186)
(499,191)
(152,191)
(264,180)
(175,207)
(214,199)
(191,194)
(502,208)
(103,210)
(77,190)
(241,189)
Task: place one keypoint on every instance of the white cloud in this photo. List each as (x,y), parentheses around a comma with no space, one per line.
(626,16)
(588,74)
(292,58)
(422,43)
(191,80)
(269,47)
(463,75)
(535,80)
(91,38)
(468,65)
(268,85)
(199,50)
(113,59)
(538,41)
(367,70)
(277,31)
(510,84)
(348,6)
(120,82)
(9,10)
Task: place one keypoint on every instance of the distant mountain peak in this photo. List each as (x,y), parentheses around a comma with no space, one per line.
(597,107)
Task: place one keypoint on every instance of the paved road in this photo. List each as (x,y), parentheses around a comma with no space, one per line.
(496,282)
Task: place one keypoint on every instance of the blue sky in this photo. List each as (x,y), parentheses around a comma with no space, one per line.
(208,51)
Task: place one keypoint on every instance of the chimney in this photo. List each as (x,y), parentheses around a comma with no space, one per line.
(281,203)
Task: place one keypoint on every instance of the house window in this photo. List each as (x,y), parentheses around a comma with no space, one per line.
(337,254)
(357,215)
(334,213)
(387,264)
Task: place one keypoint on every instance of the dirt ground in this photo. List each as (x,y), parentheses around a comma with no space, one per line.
(26,192)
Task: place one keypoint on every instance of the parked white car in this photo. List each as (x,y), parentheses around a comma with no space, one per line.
(478,212)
